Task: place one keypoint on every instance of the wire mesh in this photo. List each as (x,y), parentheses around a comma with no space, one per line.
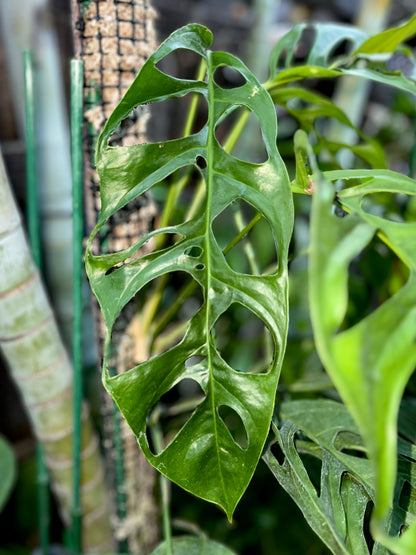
(114,38)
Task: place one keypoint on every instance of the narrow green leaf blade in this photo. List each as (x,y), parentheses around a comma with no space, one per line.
(388,40)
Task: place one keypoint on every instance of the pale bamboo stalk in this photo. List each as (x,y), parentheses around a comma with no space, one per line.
(39,365)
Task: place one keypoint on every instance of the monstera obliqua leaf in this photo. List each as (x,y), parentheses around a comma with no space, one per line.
(323,50)
(337,493)
(204,457)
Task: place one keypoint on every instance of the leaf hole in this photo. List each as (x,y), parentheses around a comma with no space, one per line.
(249,146)
(311,455)
(131,342)
(243,340)
(168,117)
(194,361)
(407,499)
(194,252)
(403,529)
(282,59)
(304,46)
(151,245)
(228,77)
(256,250)
(130,128)
(200,267)
(340,50)
(127,226)
(172,412)
(181,299)
(366,526)
(277,452)
(182,189)
(350,444)
(234,424)
(201,162)
(181,63)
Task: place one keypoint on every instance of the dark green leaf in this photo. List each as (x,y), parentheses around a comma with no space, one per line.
(203,457)
(337,513)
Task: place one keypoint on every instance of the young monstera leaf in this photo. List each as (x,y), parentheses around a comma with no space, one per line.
(203,457)
(371,361)
(327,50)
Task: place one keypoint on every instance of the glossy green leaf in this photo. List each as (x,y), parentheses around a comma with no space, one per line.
(7,471)
(203,457)
(370,362)
(190,545)
(388,40)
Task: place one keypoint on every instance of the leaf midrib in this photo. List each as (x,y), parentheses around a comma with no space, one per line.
(208,262)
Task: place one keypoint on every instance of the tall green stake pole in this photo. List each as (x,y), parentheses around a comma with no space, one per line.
(32,218)
(77,85)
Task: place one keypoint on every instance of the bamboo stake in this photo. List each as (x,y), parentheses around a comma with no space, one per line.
(39,365)
(77,85)
(34,239)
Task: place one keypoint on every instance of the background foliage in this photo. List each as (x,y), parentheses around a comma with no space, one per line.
(359,356)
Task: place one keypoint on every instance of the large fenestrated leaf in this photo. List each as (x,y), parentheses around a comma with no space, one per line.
(339,510)
(335,513)
(370,362)
(203,457)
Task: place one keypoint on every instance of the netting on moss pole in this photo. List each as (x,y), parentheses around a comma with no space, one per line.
(114,38)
